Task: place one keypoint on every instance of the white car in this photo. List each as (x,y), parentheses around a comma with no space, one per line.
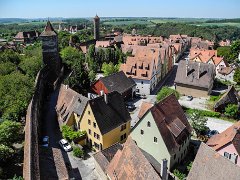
(65,145)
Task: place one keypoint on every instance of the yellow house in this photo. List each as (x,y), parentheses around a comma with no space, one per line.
(106,121)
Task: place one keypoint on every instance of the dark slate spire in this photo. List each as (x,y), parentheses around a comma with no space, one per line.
(48,30)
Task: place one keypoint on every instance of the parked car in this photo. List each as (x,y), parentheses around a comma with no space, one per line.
(211,133)
(45,141)
(189,98)
(65,145)
(130,105)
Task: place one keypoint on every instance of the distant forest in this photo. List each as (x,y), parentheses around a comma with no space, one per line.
(156,29)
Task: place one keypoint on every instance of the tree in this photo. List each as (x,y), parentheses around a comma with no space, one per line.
(166,91)
(10,132)
(15,93)
(6,153)
(71,55)
(231,110)
(236,76)
(109,69)
(235,49)
(225,52)
(198,122)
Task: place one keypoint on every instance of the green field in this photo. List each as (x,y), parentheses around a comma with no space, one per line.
(218,24)
(118,23)
(176,20)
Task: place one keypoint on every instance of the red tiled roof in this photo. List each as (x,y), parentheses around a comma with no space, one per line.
(130,163)
(230,135)
(144,108)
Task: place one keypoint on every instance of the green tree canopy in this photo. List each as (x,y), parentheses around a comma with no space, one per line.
(15,93)
(10,132)
(198,122)
(236,76)
(109,69)
(166,91)
(71,55)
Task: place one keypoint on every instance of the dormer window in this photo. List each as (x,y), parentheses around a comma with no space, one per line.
(147,67)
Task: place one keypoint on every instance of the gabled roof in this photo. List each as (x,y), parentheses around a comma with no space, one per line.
(69,101)
(195,74)
(230,97)
(145,106)
(143,64)
(105,156)
(48,30)
(171,122)
(225,70)
(111,114)
(118,82)
(230,135)
(130,163)
(209,164)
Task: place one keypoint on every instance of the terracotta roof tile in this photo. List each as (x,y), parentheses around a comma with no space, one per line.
(208,164)
(228,136)
(130,163)
(145,106)
(105,156)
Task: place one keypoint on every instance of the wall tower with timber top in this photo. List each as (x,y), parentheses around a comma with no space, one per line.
(96,23)
(50,52)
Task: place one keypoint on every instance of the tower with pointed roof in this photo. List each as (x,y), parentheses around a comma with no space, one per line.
(50,52)
(96,23)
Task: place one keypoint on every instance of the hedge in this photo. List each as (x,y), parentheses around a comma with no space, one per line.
(203,112)
(69,134)
(78,152)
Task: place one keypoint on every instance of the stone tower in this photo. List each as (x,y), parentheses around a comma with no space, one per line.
(96,23)
(50,52)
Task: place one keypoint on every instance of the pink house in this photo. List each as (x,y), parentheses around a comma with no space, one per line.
(227,143)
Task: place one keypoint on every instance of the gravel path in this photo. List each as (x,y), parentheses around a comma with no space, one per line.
(218,124)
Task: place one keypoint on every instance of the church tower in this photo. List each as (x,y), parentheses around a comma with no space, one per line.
(96,23)
(50,52)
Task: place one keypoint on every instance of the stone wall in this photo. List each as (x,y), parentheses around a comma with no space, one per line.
(32,129)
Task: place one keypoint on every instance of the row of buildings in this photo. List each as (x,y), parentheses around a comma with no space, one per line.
(162,133)
(149,150)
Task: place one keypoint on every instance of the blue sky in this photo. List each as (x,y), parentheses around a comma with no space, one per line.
(120,8)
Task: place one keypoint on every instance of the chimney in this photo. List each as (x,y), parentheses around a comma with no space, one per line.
(66,86)
(186,68)
(101,93)
(199,66)
(106,98)
(164,169)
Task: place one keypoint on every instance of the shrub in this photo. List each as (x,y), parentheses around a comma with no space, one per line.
(215,98)
(203,112)
(78,152)
(231,110)
(178,174)
(166,91)
(69,134)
